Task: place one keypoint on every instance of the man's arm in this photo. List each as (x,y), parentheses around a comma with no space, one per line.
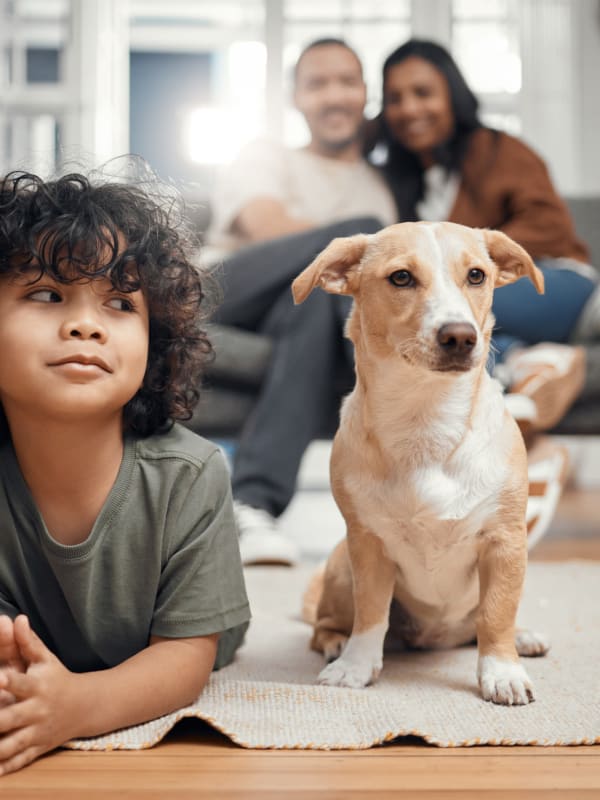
(265,218)
(53,705)
(250,196)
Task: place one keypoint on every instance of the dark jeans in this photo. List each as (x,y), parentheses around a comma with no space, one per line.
(524,317)
(299,394)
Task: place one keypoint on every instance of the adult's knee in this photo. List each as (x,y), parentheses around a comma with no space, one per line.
(354,225)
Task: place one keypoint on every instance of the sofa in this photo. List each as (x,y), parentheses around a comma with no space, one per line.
(241,359)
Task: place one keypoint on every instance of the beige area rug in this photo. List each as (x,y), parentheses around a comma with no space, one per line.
(268,698)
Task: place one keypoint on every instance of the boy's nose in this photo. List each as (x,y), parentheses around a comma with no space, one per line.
(84,329)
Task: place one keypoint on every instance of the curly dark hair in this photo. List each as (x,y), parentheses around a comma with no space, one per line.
(60,226)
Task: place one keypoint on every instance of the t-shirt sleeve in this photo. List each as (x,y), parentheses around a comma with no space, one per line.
(201,588)
(258,171)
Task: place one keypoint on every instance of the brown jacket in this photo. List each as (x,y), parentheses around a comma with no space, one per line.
(506,186)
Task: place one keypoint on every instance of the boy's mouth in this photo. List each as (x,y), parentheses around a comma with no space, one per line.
(83,360)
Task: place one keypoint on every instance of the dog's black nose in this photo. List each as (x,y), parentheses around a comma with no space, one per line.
(457,338)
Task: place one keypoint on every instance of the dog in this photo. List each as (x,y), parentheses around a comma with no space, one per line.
(427,467)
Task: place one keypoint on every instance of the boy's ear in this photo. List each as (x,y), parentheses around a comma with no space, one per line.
(335,269)
(512,260)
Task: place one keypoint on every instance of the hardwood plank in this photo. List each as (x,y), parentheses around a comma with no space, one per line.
(178,769)
(321,794)
(567,549)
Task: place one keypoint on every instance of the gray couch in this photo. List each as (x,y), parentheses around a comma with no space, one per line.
(241,360)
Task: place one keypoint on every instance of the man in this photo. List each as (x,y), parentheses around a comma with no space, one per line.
(272,191)
(275,208)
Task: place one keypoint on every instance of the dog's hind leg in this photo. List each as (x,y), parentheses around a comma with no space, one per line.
(330,643)
(531,643)
(335,605)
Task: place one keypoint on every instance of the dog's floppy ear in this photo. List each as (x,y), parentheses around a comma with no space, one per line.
(512,261)
(331,269)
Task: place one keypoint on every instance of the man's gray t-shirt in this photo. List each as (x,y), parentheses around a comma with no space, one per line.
(309,186)
(161,559)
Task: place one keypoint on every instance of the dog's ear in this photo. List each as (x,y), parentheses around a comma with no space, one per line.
(512,261)
(332,269)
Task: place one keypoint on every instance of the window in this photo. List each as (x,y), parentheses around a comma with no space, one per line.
(485,43)
(223,41)
(372,28)
(34,97)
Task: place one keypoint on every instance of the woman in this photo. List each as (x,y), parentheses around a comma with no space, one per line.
(443,164)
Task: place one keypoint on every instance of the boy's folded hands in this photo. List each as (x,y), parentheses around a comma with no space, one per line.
(39,707)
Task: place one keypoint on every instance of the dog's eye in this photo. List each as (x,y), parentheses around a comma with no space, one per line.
(476,276)
(401,277)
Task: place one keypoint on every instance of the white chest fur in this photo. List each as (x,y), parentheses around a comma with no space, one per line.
(441,487)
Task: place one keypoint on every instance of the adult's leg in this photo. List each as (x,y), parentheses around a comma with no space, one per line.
(552,317)
(297,398)
(533,337)
(299,389)
(253,279)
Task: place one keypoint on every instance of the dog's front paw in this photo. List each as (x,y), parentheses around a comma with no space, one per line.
(531,643)
(504,682)
(344,672)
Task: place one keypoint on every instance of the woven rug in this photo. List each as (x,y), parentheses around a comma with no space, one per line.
(268,697)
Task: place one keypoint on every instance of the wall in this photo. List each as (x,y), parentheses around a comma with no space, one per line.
(588,40)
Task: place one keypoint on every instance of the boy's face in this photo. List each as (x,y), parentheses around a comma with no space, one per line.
(69,352)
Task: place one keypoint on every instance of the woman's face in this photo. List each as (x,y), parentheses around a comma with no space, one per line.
(417,107)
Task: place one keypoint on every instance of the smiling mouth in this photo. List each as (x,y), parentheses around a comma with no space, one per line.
(336,113)
(415,128)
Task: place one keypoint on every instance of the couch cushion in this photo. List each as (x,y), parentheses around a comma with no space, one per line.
(586,214)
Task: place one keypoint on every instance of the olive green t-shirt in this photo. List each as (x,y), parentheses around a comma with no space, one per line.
(162,557)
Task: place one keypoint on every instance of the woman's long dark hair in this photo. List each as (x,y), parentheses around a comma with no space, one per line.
(403,169)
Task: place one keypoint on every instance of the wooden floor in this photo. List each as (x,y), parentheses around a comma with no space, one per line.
(195,762)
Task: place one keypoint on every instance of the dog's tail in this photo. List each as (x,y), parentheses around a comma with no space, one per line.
(312,595)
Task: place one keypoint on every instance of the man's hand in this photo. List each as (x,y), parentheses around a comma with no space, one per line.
(44,711)
(265,218)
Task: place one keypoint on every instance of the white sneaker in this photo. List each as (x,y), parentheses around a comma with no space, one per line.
(260,541)
(548,468)
(551,376)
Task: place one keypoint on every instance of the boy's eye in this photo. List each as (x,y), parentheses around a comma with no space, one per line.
(45,296)
(121,304)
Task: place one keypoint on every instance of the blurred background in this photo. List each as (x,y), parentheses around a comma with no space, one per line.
(185,83)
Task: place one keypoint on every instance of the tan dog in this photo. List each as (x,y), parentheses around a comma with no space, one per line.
(428,468)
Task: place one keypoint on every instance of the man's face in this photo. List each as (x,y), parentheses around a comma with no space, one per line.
(331,94)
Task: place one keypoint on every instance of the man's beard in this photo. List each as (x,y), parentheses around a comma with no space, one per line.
(335,146)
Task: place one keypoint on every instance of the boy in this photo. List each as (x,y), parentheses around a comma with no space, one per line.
(119,561)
